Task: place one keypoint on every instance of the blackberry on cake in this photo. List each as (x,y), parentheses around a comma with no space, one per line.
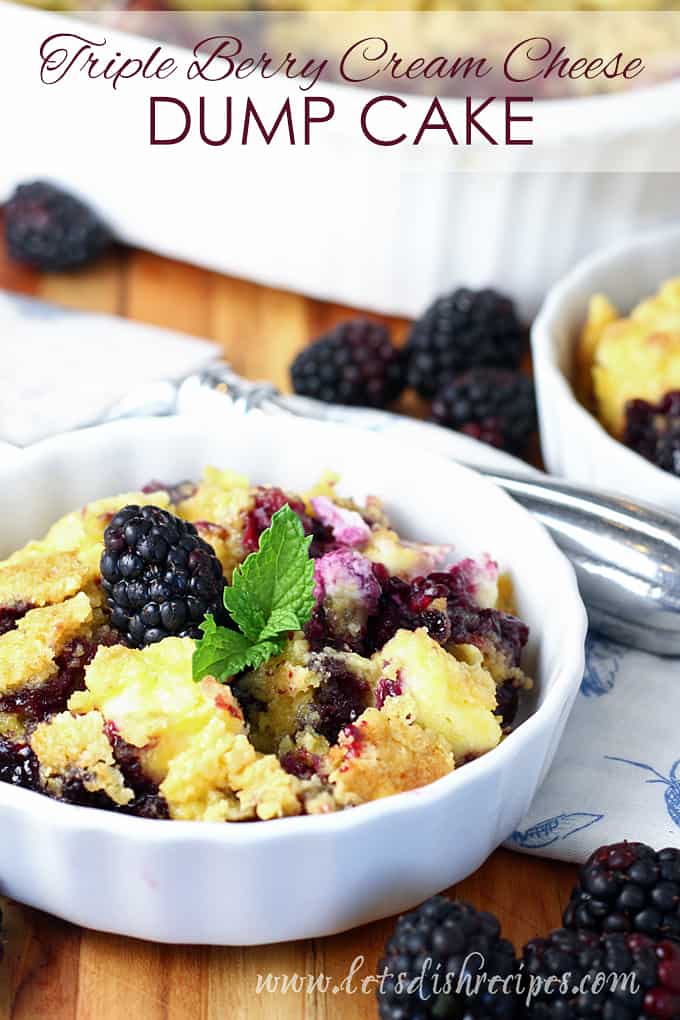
(49,229)
(355,363)
(160,577)
(628,887)
(602,977)
(459,331)
(445,938)
(495,406)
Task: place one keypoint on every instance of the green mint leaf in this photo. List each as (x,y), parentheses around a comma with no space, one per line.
(273,590)
(222,653)
(217,649)
(271,593)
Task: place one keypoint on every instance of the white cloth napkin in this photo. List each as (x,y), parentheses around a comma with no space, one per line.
(617,771)
(61,369)
(616,774)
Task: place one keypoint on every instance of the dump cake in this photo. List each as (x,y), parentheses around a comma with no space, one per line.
(628,371)
(221,651)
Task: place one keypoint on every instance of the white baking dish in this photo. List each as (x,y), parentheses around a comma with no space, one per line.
(574,443)
(384,230)
(309,876)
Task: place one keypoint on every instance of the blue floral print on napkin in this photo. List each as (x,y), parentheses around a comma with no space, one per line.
(671,782)
(552,830)
(603,659)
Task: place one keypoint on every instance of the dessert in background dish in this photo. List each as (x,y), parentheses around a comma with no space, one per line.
(628,373)
(222,651)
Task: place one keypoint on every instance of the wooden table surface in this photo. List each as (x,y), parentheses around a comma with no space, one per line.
(55,970)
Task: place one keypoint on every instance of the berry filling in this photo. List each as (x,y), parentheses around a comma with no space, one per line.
(301,763)
(10,616)
(387,688)
(653,431)
(270,499)
(18,765)
(39,702)
(339,699)
(441,604)
(148,802)
(177,491)
(347,593)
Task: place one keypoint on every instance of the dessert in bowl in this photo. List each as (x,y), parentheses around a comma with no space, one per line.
(394,708)
(607,368)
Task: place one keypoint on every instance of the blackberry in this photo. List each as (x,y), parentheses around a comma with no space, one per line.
(355,363)
(601,977)
(497,407)
(159,576)
(628,887)
(435,959)
(463,330)
(653,430)
(49,229)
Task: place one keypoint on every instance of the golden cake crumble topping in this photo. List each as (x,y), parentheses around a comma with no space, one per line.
(218,651)
(28,653)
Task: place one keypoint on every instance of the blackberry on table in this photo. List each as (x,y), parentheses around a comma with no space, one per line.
(653,430)
(444,937)
(496,406)
(628,887)
(355,364)
(640,977)
(159,576)
(463,330)
(49,229)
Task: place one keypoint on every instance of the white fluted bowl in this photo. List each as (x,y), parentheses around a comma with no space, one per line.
(300,877)
(574,443)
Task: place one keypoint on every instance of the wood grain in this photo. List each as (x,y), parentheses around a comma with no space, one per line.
(54,970)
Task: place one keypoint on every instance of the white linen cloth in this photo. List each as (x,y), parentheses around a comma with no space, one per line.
(616,774)
(61,369)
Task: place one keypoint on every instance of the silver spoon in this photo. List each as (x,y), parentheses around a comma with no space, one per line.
(626,554)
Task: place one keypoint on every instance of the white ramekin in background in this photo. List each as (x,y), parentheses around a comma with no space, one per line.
(574,443)
(389,236)
(263,882)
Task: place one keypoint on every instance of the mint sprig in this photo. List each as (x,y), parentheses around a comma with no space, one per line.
(272,593)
